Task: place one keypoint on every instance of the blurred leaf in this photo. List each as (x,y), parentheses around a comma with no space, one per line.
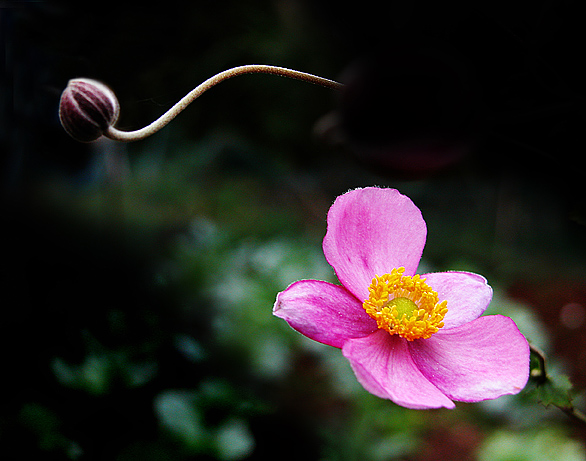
(555,390)
(547,444)
(234,440)
(93,375)
(46,426)
(548,389)
(178,413)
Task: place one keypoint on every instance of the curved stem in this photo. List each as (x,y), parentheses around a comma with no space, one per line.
(148,130)
(540,375)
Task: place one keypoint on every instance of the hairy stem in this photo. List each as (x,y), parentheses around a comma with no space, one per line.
(148,130)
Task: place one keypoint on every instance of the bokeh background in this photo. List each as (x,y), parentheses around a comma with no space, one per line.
(138,279)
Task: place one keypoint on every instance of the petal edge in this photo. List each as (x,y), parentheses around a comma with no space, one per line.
(383,365)
(468,295)
(481,360)
(324,312)
(372,231)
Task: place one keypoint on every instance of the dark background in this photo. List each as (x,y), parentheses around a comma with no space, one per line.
(138,279)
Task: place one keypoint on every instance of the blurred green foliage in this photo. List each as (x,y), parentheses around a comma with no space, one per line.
(202,369)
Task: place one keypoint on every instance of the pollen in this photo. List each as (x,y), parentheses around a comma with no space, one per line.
(405,305)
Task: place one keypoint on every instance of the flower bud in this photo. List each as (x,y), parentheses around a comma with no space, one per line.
(87,109)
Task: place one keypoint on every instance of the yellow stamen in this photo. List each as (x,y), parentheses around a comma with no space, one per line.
(405,305)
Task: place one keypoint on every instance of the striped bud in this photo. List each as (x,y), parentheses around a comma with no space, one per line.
(87,109)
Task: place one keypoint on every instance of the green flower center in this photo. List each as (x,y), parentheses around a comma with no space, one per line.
(404,306)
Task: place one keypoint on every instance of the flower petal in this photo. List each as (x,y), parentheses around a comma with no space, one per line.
(467,294)
(372,231)
(324,312)
(479,360)
(383,365)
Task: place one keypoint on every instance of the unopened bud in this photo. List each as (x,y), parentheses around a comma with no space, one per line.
(87,109)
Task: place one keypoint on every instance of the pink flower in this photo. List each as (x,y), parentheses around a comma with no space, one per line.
(418,341)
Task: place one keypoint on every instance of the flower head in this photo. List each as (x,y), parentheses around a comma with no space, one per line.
(419,341)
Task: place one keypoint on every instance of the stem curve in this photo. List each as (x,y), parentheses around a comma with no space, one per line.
(163,120)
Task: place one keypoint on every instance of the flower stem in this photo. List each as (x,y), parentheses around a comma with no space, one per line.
(575,414)
(148,130)
(542,377)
